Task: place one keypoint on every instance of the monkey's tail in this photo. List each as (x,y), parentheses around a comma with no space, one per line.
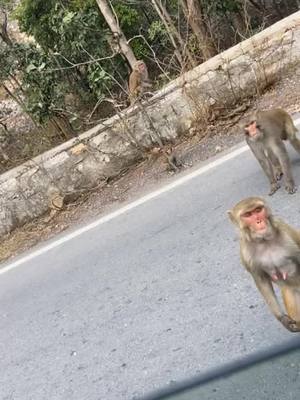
(291,300)
(291,131)
(290,126)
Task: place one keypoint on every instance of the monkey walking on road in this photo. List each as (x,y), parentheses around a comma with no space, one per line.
(270,252)
(265,135)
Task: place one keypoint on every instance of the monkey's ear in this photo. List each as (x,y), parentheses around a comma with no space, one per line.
(231,217)
(242,126)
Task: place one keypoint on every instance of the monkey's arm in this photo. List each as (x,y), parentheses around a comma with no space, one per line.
(282,154)
(291,231)
(147,84)
(264,285)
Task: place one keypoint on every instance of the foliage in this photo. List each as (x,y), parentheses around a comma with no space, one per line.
(68,36)
(6,4)
(74,52)
(128,16)
(34,18)
(158,30)
(41,85)
(224,6)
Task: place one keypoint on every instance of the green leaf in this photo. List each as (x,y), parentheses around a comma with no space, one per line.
(68,17)
(42,66)
(31,67)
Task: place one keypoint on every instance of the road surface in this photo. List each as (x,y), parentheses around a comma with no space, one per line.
(142,298)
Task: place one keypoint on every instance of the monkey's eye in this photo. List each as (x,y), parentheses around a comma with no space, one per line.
(247,214)
(258,209)
(257,126)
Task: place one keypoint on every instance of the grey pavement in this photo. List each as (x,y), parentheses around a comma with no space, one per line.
(151,297)
(273,378)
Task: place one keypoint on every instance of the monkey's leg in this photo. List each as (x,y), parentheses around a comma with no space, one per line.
(258,151)
(282,154)
(133,98)
(275,165)
(291,300)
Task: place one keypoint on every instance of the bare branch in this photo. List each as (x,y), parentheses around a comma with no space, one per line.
(74,65)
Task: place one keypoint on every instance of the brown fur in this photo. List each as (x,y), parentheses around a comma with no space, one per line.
(273,127)
(277,252)
(138,81)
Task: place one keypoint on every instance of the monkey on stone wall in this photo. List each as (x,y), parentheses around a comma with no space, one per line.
(138,81)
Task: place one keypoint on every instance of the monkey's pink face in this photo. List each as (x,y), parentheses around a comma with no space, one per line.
(142,67)
(256,219)
(252,130)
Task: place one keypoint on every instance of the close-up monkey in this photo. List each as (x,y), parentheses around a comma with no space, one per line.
(138,81)
(270,252)
(265,135)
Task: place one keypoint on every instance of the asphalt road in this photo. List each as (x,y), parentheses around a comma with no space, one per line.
(155,295)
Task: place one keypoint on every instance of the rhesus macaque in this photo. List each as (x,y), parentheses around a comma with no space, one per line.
(270,251)
(171,158)
(265,135)
(138,81)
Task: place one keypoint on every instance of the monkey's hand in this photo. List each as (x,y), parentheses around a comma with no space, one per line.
(274,187)
(289,323)
(278,175)
(291,188)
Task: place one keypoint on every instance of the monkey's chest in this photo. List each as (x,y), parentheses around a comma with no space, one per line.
(272,259)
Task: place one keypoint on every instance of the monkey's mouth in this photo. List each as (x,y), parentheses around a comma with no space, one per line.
(252,135)
(260,226)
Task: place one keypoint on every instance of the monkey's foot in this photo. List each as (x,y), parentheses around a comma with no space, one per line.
(291,189)
(274,187)
(289,323)
(279,175)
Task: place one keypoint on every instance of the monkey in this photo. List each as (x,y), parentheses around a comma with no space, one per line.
(138,81)
(270,252)
(265,135)
(173,160)
(170,157)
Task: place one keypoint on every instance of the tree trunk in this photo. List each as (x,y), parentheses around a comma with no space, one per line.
(194,16)
(176,33)
(4,34)
(117,32)
(172,39)
(21,104)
